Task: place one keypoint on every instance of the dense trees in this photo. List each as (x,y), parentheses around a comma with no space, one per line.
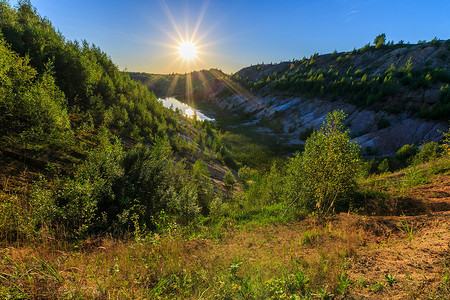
(33,107)
(85,77)
(57,95)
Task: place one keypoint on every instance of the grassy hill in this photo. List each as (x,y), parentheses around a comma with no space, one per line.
(107,194)
(352,255)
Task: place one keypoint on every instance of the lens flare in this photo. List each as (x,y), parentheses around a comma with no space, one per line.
(187,50)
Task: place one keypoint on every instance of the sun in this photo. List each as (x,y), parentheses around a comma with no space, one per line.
(187,50)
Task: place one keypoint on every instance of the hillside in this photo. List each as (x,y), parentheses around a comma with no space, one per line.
(394,94)
(92,144)
(353,256)
(106,194)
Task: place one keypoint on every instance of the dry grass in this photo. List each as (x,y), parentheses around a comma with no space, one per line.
(242,266)
(351,256)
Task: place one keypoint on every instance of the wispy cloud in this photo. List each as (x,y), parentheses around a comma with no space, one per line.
(350,14)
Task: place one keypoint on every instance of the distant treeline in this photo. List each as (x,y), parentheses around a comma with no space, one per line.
(336,77)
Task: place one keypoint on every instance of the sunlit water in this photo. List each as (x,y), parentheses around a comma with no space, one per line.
(171,102)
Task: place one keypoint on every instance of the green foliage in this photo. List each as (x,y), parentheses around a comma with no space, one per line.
(65,74)
(407,229)
(441,109)
(113,189)
(265,188)
(383,123)
(82,199)
(446,142)
(391,279)
(406,152)
(202,181)
(427,152)
(246,174)
(360,87)
(323,177)
(380,40)
(228,179)
(293,286)
(383,167)
(343,283)
(33,108)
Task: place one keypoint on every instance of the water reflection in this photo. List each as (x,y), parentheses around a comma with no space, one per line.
(173,103)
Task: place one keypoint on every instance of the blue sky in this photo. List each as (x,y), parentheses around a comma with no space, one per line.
(142,35)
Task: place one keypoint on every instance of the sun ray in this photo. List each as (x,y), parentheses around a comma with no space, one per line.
(189,47)
(200,19)
(238,89)
(189,88)
(173,84)
(171,18)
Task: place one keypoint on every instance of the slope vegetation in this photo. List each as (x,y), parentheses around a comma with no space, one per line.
(107,194)
(394,94)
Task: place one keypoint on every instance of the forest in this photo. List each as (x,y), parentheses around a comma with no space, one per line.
(107,194)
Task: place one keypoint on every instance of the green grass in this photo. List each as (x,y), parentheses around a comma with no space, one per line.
(407,229)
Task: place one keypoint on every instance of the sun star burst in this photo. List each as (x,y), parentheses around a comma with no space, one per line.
(187,50)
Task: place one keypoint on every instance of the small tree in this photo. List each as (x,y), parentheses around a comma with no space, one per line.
(380,40)
(229,180)
(324,175)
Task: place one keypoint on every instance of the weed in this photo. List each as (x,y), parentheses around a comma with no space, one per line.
(391,279)
(324,293)
(446,276)
(407,230)
(311,237)
(343,283)
(412,178)
(362,282)
(377,287)
(234,268)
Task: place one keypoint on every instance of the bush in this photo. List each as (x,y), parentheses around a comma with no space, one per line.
(88,202)
(245,174)
(406,153)
(323,177)
(228,179)
(428,152)
(446,144)
(383,167)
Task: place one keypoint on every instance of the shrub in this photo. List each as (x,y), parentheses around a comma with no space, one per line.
(383,123)
(446,144)
(228,179)
(203,184)
(92,190)
(324,175)
(428,152)
(406,152)
(245,174)
(383,167)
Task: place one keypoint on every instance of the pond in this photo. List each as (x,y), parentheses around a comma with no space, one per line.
(171,102)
